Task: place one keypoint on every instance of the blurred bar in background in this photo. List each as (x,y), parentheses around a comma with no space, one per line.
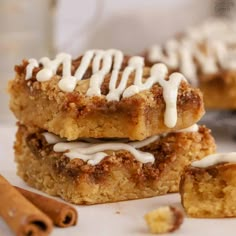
(26,30)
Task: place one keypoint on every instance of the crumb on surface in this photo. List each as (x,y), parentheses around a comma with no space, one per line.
(164,219)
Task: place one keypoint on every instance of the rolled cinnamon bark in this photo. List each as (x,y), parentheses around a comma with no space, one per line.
(62,215)
(21,215)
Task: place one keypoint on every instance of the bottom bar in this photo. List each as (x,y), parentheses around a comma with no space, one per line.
(118,176)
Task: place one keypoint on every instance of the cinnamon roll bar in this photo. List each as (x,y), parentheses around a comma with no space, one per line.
(103,95)
(99,171)
(105,127)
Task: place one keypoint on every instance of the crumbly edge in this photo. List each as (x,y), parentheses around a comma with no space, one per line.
(209,192)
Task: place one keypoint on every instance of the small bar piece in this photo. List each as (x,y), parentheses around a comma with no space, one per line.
(208,187)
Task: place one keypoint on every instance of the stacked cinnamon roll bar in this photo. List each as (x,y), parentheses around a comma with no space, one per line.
(105,127)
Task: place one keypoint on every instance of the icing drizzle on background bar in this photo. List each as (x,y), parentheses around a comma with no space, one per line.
(218,38)
(110,61)
(215,159)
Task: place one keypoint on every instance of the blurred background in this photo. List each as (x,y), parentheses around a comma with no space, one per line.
(36,28)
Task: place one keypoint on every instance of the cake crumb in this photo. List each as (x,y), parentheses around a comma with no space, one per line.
(164,219)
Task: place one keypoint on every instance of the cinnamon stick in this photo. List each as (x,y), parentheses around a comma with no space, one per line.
(62,215)
(21,215)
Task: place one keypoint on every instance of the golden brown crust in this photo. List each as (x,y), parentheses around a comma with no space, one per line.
(117,177)
(73,115)
(209,192)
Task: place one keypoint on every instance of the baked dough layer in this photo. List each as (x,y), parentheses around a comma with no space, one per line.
(209,192)
(118,177)
(74,115)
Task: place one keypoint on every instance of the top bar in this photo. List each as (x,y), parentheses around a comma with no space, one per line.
(103,94)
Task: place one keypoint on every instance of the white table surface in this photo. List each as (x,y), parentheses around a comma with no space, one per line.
(103,219)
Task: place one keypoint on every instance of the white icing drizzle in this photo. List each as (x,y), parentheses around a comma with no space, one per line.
(219,38)
(145,142)
(215,159)
(29,69)
(193,128)
(215,28)
(52,138)
(171,57)
(170,93)
(170,88)
(110,61)
(92,152)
